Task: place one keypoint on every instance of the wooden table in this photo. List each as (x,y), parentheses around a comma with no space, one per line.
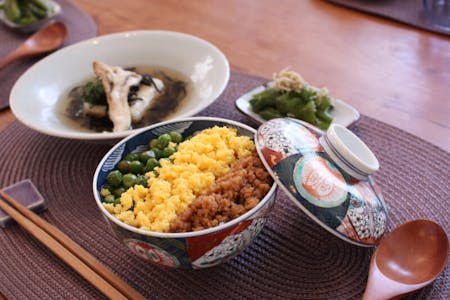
(389,71)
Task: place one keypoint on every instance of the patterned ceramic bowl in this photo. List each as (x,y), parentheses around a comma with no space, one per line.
(199,249)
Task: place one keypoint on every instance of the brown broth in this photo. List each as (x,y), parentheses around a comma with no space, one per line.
(176,92)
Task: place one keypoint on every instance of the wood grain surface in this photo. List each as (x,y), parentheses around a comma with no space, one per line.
(389,71)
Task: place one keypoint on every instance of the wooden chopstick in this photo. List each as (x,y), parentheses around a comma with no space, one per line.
(73,254)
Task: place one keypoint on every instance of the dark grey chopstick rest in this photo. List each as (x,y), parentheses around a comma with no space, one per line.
(26,193)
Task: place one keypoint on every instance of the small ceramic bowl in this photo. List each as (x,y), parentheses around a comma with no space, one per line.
(39,98)
(199,249)
(53,10)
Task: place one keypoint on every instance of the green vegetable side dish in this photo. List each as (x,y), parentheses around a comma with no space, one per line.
(132,169)
(25,12)
(292,97)
(94,93)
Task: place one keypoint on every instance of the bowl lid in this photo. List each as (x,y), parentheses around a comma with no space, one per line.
(327,175)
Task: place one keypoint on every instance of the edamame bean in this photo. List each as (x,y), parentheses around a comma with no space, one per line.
(132,156)
(175,137)
(168,151)
(114,178)
(151,164)
(124,166)
(153,144)
(109,199)
(163,141)
(136,167)
(118,192)
(158,153)
(129,180)
(144,156)
(142,180)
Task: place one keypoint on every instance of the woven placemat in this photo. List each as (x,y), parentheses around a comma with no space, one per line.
(409,12)
(80,26)
(293,257)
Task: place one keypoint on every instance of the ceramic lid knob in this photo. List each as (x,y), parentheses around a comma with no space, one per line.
(349,152)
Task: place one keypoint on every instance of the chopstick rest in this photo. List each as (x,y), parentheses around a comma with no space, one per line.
(27,193)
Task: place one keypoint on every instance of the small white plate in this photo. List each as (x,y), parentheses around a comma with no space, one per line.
(342,113)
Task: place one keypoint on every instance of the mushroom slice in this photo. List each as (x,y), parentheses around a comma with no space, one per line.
(144,97)
(116,83)
(95,111)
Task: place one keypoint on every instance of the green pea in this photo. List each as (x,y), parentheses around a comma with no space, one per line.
(136,167)
(144,156)
(129,180)
(142,180)
(132,156)
(109,199)
(124,166)
(175,137)
(151,164)
(117,201)
(168,151)
(163,140)
(158,153)
(118,192)
(114,178)
(153,143)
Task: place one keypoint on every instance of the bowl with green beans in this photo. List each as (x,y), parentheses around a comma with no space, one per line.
(28,15)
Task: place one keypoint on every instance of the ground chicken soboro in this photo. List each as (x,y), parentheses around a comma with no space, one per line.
(197,164)
(231,196)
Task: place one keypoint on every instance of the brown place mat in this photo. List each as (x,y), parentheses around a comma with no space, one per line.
(293,257)
(405,11)
(80,26)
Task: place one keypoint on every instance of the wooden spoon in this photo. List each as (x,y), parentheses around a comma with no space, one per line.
(46,39)
(409,258)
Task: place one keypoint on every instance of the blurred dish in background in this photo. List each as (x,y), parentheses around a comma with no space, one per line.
(28,15)
(437,13)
